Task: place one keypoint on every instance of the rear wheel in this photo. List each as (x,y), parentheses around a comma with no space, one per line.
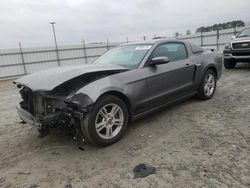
(107,122)
(229,64)
(208,85)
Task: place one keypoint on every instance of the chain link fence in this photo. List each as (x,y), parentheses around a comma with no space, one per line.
(22,61)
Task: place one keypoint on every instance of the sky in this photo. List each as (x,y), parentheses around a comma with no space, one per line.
(28,21)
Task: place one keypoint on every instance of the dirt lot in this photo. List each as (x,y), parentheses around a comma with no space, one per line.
(193,144)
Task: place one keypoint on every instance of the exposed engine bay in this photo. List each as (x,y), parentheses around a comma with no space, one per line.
(60,107)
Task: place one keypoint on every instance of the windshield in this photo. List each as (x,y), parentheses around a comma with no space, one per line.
(244,33)
(128,56)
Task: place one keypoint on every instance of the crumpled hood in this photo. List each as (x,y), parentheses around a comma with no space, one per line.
(48,79)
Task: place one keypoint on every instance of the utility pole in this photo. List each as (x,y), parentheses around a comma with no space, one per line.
(54,33)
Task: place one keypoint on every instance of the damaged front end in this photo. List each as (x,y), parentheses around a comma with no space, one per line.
(45,110)
(58,104)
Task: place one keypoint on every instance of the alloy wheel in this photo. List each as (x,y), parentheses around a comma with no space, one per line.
(109,121)
(209,84)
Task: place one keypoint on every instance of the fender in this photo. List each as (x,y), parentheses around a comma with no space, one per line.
(99,87)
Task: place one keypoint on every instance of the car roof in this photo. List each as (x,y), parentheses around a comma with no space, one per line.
(152,42)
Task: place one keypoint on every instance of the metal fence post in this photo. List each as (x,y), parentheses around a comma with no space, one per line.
(85,52)
(235,30)
(107,43)
(217,38)
(201,39)
(57,56)
(54,33)
(22,57)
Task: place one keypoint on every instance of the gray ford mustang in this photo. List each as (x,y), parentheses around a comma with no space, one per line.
(128,82)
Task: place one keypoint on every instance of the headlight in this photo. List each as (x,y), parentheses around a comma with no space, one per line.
(79,100)
(227,47)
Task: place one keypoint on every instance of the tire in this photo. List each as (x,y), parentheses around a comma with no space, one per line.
(207,88)
(101,127)
(229,64)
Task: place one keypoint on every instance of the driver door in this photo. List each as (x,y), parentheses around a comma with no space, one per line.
(170,81)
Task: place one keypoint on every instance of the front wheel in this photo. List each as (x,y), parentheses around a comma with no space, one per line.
(229,64)
(208,85)
(107,122)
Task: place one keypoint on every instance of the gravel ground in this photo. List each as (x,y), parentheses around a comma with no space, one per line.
(192,144)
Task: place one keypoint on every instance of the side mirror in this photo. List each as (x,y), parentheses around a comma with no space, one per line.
(159,60)
(233,37)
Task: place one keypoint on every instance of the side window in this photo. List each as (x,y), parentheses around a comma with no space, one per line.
(174,51)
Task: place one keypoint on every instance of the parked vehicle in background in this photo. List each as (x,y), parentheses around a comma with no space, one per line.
(238,50)
(127,82)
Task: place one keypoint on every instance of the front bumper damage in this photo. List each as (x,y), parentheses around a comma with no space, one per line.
(62,107)
(39,122)
(42,109)
(66,118)
(69,117)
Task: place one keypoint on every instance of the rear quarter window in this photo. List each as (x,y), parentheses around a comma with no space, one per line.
(196,49)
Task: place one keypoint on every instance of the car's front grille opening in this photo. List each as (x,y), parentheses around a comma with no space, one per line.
(27,96)
(241,45)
